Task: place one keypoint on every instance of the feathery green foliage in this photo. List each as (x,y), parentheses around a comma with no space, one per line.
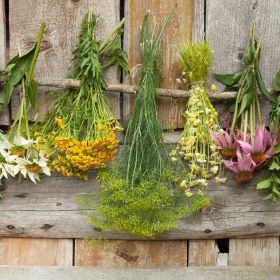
(195,59)
(139,194)
(81,110)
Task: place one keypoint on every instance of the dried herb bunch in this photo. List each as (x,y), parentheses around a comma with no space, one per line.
(196,147)
(250,142)
(139,194)
(80,126)
(19,154)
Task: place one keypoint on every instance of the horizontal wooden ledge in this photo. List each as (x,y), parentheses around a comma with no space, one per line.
(188,273)
(130,89)
(48,210)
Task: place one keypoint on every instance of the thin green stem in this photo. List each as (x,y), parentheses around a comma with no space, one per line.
(37,49)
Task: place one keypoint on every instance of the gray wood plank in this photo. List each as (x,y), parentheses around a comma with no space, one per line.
(63,20)
(198,31)
(227,28)
(4,116)
(48,210)
(201,273)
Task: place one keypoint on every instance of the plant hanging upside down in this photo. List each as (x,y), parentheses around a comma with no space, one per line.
(250,140)
(140,193)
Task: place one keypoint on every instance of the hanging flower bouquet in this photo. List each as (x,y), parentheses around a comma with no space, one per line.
(196,146)
(248,144)
(80,130)
(19,154)
(140,193)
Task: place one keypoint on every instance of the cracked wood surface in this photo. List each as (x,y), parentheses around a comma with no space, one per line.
(48,210)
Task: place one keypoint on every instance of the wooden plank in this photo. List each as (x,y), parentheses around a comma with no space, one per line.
(63,20)
(178,30)
(227,28)
(254,252)
(2,35)
(190,273)
(141,254)
(198,27)
(42,252)
(202,253)
(4,116)
(48,210)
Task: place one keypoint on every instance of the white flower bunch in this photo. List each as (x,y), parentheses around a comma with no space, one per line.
(19,157)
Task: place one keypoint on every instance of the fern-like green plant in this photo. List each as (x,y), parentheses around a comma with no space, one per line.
(195,60)
(140,193)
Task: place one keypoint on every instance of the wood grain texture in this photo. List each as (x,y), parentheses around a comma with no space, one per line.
(141,254)
(4,116)
(227,29)
(63,20)
(48,210)
(42,252)
(190,273)
(179,29)
(254,252)
(2,35)
(198,27)
(202,253)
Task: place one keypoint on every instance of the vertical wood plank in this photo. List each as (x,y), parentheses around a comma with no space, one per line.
(227,28)
(63,20)
(2,35)
(41,252)
(254,252)
(4,116)
(202,253)
(179,29)
(198,31)
(125,253)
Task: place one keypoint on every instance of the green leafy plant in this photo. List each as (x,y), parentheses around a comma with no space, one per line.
(247,82)
(140,194)
(272,182)
(195,59)
(81,119)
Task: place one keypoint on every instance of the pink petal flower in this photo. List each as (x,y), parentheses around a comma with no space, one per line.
(246,147)
(231,165)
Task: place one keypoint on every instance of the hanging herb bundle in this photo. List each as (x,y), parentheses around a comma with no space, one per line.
(80,126)
(249,141)
(272,183)
(18,152)
(139,194)
(196,146)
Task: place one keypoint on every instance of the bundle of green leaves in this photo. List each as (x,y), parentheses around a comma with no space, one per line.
(19,154)
(80,129)
(272,182)
(249,140)
(140,194)
(196,146)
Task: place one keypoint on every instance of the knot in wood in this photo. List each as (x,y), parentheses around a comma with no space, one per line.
(208,231)
(206,210)
(261,225)
(11,227)
(123,254)
(47,226)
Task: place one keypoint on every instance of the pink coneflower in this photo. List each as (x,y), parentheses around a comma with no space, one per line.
(243,168)
(227,144)
(263,147)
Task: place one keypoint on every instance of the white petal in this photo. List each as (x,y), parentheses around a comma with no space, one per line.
(46,171)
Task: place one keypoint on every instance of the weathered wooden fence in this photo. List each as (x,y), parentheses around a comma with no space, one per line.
(239,229)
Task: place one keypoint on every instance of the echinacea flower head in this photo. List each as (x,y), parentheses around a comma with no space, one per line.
(243,168)
(263,146)
(227,144)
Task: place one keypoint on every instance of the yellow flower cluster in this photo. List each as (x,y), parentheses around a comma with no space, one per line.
(76,157)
